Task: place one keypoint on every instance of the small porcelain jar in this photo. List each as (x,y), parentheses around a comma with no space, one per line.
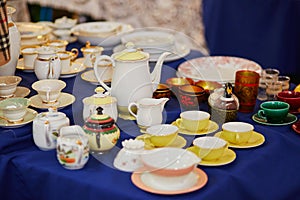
(102,131)
(108,103)
(46,128)
(129,157)
(223,105)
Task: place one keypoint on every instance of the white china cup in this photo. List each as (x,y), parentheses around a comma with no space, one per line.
(14,109)
(66,58)
(8,85)
(29,55)
(49,90)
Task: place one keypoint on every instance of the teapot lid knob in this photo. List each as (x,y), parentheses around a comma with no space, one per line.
(130,47)
(228,90)
(99,110)
(87,44)
(99,90)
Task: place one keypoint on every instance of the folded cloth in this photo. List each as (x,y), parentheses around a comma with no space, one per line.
(4,34)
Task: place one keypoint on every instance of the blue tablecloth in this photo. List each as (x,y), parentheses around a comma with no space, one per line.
(270,171)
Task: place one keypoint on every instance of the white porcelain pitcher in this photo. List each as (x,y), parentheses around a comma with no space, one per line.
(149,111)
(131,79)
(47,65)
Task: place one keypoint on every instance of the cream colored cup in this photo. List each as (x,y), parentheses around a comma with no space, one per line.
(14,109)
(193,120)
(209,147)
(60,45)
(29,55)
(161,135)
(66,58)
(8,85)
(49,90)
(90,53)
(236,132)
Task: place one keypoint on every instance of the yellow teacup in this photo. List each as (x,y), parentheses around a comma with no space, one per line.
(236,132)
(193,120)
(209,147)
(161,135)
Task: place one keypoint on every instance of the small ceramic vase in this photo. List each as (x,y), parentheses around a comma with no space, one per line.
(102,131)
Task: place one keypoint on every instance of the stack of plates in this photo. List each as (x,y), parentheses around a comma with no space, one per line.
(106,34)
(33,33)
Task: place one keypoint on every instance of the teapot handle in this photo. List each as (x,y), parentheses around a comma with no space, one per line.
(50,71)
(103,57)
(129,109)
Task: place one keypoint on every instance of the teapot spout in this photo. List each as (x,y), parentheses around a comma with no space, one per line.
(155,75)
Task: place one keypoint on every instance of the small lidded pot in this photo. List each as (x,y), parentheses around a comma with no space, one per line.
(46,128)
(102,131)
(223,105)
(108,103)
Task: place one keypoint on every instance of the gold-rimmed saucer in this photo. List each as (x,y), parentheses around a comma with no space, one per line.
(20,65)
(28,117)
(64,100)
(228,157)
(90,77)
(255,140)
(74,69)
(20,92)
(212,127)
(178,143)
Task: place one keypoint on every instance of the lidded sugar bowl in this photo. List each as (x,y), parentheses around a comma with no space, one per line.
(102,131)
(223,104)
(46,128)
(107,103)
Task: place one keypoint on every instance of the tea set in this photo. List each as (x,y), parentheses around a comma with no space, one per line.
(157,158)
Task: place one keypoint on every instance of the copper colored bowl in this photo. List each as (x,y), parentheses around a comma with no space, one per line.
(175,82)
(208,85)
(162,91)
(190,96)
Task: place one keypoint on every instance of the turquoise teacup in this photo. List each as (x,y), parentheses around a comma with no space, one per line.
(273,111)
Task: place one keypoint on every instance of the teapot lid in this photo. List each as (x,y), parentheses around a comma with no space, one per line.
(131,53)
(51,115)
(100,98)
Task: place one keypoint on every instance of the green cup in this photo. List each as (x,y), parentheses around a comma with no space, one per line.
(273,111)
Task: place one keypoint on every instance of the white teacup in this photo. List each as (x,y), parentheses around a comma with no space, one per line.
(14,109)
(66,58)
(90,53)
(8,85)
(29,55)
(60,45)
(49,90)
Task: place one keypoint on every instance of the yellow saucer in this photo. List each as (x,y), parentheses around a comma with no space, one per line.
(228,157)
(179,142)
(64,100)
(212,127)
(255,140)
(20,92)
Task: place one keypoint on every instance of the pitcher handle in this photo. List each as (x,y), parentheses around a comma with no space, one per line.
(129,109)
(51,70)
(103,57)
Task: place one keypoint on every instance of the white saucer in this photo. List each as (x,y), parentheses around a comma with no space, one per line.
(29,116)
(20,92)
(179,142)
(64,100)
(147,182)
(20,65)
(74,69)
(179,51)
(90,77)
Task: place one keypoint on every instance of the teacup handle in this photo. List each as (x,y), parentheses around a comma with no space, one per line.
(178,122)
(75,52)
(261,114)
(129,108)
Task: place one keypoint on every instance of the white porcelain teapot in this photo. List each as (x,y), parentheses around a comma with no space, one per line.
(47,65)
(131,79)
(149,111)
(46,128)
